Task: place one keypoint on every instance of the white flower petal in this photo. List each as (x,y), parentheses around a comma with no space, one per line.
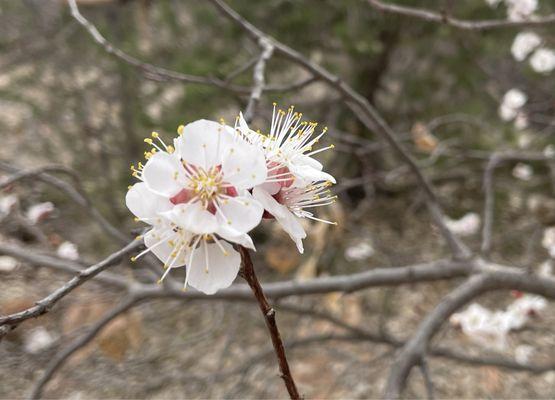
(202,142)
(193,217)
(164,174)
(234,236)
(301,159)
(158,241)
(288,221)
(244,165)
(211,269)
(144,203)
(310,174)
(241,213)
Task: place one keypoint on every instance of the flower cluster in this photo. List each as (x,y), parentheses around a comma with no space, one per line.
(215,183)
(491,328)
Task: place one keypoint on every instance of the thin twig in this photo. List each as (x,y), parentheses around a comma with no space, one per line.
(258,78)
(44,305)
(444,18)
(270,317)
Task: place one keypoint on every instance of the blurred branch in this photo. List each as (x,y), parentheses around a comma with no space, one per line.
(163,74)
(24,174)
(492,277)
(77,195)
(495,160)
(446,19)
(44,305)
(258,78)
(364,111)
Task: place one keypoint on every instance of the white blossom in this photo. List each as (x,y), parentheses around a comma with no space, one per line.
(37,340)
(468,225)
(7,264)
(38,212)
(521,122)
(523,171)
(543,61)
(524,44)
(548,241)
(524,307)
(523,353)
(482,326)
(194,195)
(512,102)
(68,250)
(493,3)
(296,182)
(7,203)
(519,10)
(359,251)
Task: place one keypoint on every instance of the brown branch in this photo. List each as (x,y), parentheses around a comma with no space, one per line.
(364,111)
(445,19)
(269,313)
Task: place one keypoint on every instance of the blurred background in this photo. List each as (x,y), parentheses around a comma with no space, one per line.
(65,101)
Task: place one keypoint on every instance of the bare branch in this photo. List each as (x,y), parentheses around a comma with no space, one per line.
(258,78)
(44,305)
(269,313)
(444,18)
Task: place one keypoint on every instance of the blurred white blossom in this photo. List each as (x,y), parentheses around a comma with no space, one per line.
(543,61)
(38,212)
(524,44)
(37,340)
(519,10)
(7,203)
(523,171)
(468,225)
(493,3)
(359,251)
(523,353)
(546,269)
(512,102)
(521,122)
(68,250)
(548,241)
(7,263)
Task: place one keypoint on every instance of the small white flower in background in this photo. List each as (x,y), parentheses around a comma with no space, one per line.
(482,326)
(493,3)
(519,10)
(37,340)
(521,122)
(212,187)
(546,269)
(468,225)
(359,251)
(39,212)
(526,306)
(7,203)
(543,61)
(512,102)
(549,151)
(7,264)
(524,44)
(68,250)
(523,172)
(523,353)
(548,241)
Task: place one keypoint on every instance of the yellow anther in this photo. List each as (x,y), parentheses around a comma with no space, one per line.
(136,219)
(133,259)
(139,237)
(129,187)
(180,129)
(154,135)
(159,281)
(274,104)
(148,140)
